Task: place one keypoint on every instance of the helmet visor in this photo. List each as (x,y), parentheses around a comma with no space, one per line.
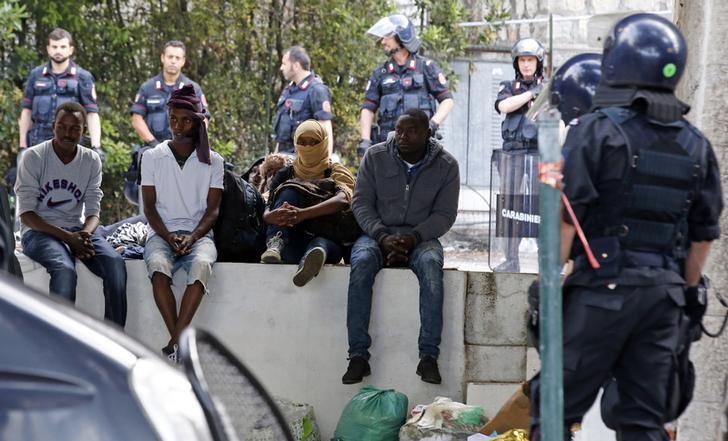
(383,28)
(528,46)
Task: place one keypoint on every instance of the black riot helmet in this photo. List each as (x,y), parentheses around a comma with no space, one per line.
(528,46)
(644,50)
(399,26)
(575,83)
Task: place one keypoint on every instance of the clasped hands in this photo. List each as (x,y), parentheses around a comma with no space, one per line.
(181,243)
(81,244)
(286,215)
(396,248)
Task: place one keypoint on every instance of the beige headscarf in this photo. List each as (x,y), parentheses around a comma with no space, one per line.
(312,161)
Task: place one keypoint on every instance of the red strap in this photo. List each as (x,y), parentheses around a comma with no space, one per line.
(579,232)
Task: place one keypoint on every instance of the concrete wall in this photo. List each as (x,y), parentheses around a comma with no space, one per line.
(294,339)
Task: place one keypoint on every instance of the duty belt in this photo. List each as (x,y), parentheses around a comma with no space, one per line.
(635,259)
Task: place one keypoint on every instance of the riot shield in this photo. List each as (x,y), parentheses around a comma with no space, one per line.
(514,218)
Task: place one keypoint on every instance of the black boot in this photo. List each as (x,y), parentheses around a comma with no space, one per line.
(427,369)
(357,370)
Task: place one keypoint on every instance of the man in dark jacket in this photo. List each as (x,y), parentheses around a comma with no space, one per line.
(405,198)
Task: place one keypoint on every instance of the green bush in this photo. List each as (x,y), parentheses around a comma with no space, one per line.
(234,49)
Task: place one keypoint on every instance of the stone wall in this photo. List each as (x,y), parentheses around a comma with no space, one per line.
(570,37)
(704,23)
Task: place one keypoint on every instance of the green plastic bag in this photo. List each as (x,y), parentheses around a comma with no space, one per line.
(372,415)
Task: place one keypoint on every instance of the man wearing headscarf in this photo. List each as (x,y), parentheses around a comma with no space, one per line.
(309,212)
(182,183)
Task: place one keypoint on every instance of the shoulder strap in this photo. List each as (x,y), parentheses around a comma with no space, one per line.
(696,145)
(618,116)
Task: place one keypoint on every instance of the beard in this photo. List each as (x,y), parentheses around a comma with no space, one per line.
(59,59)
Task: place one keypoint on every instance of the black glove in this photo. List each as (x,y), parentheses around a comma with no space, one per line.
(433,130)
(433,127)
(153,143)
(364,145)
(536,90)
(100,152)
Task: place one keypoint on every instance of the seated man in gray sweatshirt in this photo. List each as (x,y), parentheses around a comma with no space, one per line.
(58,181)
(406,197)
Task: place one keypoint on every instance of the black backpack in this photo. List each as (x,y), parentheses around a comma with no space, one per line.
(239,231)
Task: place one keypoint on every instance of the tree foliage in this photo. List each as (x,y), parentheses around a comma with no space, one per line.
(234,49)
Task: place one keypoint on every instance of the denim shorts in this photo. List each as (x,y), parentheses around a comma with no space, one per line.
(159,258)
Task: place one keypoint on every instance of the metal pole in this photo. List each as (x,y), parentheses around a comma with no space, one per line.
(549,246)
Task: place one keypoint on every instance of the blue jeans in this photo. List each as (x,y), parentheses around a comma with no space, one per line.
(297,242)
(426,262)
(57,259)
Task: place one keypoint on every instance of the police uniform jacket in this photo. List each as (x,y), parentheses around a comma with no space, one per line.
(45,91)
(604,179)
(392,89)
(518,131)
(151,103)
(309,99)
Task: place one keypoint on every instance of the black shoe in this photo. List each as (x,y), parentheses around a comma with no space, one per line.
(427,369)
(357,370)
(310,266)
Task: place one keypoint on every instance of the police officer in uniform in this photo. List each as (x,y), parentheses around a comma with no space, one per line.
(406,80)
(574,85)
(645,186)
(519,133)
(52,84)
(149,110)
(305,97)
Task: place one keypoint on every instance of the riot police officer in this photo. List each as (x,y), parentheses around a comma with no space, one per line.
(149,110)
(645,186)
(518,156)
(52,84)
(406,80)
(574,85)
(305,97)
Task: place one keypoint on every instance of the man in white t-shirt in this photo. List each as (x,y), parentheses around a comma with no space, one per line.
(182,183)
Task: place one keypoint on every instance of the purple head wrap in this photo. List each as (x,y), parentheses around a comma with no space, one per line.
(185,98)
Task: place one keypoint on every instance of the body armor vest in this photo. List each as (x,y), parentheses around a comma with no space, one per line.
(49,92)
(403,91)
(517,130)
(293,108)
(647,210)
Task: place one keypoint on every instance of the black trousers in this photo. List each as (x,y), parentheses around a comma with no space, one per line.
(630,333)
